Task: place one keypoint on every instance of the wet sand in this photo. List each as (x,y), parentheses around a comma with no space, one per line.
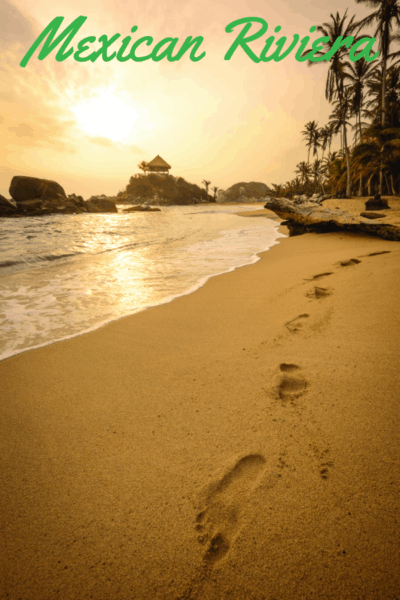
(239,443)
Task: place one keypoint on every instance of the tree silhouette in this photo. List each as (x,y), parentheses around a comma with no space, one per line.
(143,166)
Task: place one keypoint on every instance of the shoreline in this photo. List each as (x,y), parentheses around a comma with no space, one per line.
(239,442)
(255,258)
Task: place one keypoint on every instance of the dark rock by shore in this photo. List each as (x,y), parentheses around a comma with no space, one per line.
(372,215)
(33,197)
(7,207)
(141,208)
(100,204)
(310,217)
(23,189)
(244,192)
(376,203)
(162,190)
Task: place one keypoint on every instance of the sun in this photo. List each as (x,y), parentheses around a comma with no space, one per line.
(106,115)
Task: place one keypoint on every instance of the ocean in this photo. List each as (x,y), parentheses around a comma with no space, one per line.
(65,275)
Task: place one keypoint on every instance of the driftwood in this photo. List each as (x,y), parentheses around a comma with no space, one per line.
(304,218)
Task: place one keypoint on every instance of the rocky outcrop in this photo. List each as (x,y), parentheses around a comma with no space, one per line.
(37,197)
(244,192)
(141,208)
(372,215)
(7,207)
(162,190)
(28,188)
(310,217)
(32,196)
(100,204)
(377,203)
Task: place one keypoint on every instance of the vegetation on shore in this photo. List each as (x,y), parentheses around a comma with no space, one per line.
(163,189)
(365,99)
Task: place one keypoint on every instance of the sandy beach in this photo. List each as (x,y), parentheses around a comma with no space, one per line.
(241,442)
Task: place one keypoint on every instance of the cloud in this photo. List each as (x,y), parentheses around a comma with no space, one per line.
(101,141)
(135,149)
(36,101)
(15,26)
(22,130)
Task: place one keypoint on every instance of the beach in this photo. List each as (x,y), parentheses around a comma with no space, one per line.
(240,442)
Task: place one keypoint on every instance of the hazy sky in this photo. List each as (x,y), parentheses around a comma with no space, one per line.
(88,125)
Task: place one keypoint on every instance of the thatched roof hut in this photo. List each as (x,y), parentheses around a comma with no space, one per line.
(158,165)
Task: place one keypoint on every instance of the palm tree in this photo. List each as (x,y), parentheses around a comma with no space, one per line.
(386,16)
(277,189)
(392,98)
(309,134)
(215,190)
(316,142)
(336,72)
(358,73)
(324,134)
(206,184)
(143,166)
(303,170)
(316,172)
(338,120)
(378,153)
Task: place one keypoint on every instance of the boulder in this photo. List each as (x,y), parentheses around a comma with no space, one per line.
(100,204)
(141,208)
(244,192)
(376,203)
(27,188)
(313,218)
(30,205)
(372,215)
(7,207)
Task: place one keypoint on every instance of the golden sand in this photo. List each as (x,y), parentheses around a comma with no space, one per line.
(239,443)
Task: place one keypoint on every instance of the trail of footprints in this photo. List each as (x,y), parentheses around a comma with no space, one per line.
(219,522)
(292,383)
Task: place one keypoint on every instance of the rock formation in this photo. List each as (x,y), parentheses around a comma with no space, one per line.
(141,208)
(310,217)
(7,206)
(244,192)
(162,190)
(376,203)
(28,188)
(32,196)
(38,197)
(101,204)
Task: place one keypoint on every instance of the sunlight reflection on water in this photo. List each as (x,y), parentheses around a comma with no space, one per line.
(117,265)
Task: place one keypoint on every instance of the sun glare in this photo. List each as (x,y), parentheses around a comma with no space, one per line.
(106,115)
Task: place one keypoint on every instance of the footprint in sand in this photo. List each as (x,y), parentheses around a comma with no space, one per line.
(291,382)
(319,276)
(319,292)
(220,521)
(350,262)
(297,323)
(378,253)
